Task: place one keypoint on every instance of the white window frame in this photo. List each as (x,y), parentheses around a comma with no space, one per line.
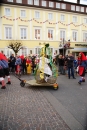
(9,11)
(62,15)
(36,15)
(21,13)
(10,0)
(85,20)
(84,38)
(78,8)
(62,34)
(19,1)
(50,16)
(73,7)
(73,19)
(30,2)
(58,5)
(82,9)
(37,48)
(44,3)
(37,28)
(50,29)
(63,6)
(51,4)
(75,31)
(8,32)
(24,51)
(36,2)
(23,33)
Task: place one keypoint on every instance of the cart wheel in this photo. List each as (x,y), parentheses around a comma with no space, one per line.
(22,84)
(55,86)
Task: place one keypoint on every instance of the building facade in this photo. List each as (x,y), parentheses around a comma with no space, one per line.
(43,21)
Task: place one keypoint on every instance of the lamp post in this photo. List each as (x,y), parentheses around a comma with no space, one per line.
(62,44)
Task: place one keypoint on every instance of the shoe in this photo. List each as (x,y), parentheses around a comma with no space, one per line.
(79,82)
(74,78)
(3,87)
(83,80)
(9,82)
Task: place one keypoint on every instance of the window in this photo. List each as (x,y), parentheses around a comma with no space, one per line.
(74,19)
(37,34)
(50,34)
(62,34)
(36,2)
(8,33)
(74,36)
(23,33)
(85,20)
(50,16)
(23,13)
(10,0)
(37,50)
(24,51)
(37,14)
(30,2)
(85,37)
(73,7)
(82,9)
(77,8)
(7,11)
(63,6)
(43,3)
(62,17)
(57,5)
(19,1)
(86,10)
(51,4)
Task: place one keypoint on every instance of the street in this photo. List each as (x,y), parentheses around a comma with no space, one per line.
(42,108)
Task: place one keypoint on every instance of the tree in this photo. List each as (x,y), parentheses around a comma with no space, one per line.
(15,45)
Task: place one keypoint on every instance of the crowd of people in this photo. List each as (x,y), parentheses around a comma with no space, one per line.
(69,65)
(27,65)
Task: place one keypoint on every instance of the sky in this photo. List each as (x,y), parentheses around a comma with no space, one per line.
(81,1)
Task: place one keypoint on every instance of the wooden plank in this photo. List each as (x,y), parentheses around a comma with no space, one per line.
(34,83)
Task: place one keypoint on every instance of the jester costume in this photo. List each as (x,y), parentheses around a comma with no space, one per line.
(46,70)
(4,71)
(82,65)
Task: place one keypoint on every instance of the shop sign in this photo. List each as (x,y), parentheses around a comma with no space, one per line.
(84,45)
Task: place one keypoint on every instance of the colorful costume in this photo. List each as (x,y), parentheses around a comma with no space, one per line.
(46,71)
(82,64)
(28,64)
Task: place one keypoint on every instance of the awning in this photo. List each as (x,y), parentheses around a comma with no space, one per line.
(80,49)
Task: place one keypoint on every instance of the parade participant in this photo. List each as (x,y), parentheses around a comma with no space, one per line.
(18,65)
(2,66)
(6,71)
(82,64)
(2,81)
(28,65)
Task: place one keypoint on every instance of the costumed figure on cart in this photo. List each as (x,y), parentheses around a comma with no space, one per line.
(82,65)
(46,71)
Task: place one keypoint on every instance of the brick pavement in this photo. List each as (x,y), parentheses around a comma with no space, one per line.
(27,109)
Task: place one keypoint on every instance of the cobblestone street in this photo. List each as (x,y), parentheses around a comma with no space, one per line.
(26,108)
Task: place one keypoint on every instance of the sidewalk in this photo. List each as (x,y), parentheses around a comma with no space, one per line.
(27,109)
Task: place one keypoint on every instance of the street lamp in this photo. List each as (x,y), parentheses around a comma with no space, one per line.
(63,42)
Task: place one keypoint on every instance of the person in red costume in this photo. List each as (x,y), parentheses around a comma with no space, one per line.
(82,65)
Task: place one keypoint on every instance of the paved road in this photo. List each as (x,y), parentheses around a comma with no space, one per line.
(42,108)
(28,109)
(73,97)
